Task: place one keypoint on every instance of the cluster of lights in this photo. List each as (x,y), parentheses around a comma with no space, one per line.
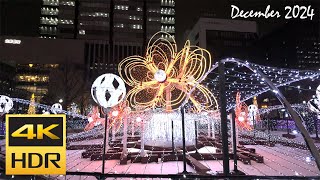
(244,77)
(46,107)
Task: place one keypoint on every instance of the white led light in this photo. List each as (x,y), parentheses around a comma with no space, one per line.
(115,113)
(138,119)
(308,159)
(160,75)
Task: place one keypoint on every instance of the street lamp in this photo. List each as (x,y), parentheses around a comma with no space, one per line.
(60,100)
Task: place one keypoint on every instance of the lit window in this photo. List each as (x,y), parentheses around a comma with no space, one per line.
(51,2)
(120,25)
(82,32)
(65,21)
(49,11)
(32,78)
(67,3)
(95,14)
(49,21)
(121,7)
(139,9)
(136,18)
(136,26)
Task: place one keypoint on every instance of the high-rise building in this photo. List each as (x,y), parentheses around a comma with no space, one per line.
(294,45)
(49,18)
(111,29)
(91,19)
(224,37)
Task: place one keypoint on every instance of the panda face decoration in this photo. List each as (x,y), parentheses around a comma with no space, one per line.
(6,104)
(108,90)
(56,108)
(252,111)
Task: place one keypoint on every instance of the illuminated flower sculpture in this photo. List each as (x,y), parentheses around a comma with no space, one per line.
(241,112)
(164,76)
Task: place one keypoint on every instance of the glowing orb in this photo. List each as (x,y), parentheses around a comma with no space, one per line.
(160,75)
(308,159)
(138,119)
(115,113)
(241,118)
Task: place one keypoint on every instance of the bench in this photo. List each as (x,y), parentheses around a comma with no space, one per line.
(149,158)
(256,157)
(98,156)
(199,167)
(171,157)
(243,158)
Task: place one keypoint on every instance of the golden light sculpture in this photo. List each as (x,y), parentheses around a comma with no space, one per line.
(164,76)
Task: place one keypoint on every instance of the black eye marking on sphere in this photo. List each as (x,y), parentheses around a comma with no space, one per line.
(107,95)
(115,83)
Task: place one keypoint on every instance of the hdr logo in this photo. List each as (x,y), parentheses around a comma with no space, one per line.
(35,144)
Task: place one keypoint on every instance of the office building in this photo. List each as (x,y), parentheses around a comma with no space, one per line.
(224,37)
(294,45)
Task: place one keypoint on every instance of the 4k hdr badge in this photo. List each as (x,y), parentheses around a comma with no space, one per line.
(35,144)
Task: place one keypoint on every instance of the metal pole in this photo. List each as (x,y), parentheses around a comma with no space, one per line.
(316,126)
(254,126)
(105,141)
(172,138)
(234,142)
(142,152)
(125,135)
(268,122)
(223,115)
(183,142)
(288,132)
(196,134)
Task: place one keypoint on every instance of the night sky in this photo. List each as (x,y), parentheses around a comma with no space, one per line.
(188,12)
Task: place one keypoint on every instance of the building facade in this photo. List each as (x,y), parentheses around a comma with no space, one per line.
(294,45)
(224,37)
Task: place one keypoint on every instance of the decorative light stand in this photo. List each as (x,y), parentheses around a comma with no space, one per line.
(107,91)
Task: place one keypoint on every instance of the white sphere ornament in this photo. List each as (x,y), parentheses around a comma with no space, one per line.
(56,108)
(252,110)
(160,76)
(6,104)
(108,90)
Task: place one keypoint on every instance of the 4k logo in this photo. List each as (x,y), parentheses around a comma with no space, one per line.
(35,144)
(41,131)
